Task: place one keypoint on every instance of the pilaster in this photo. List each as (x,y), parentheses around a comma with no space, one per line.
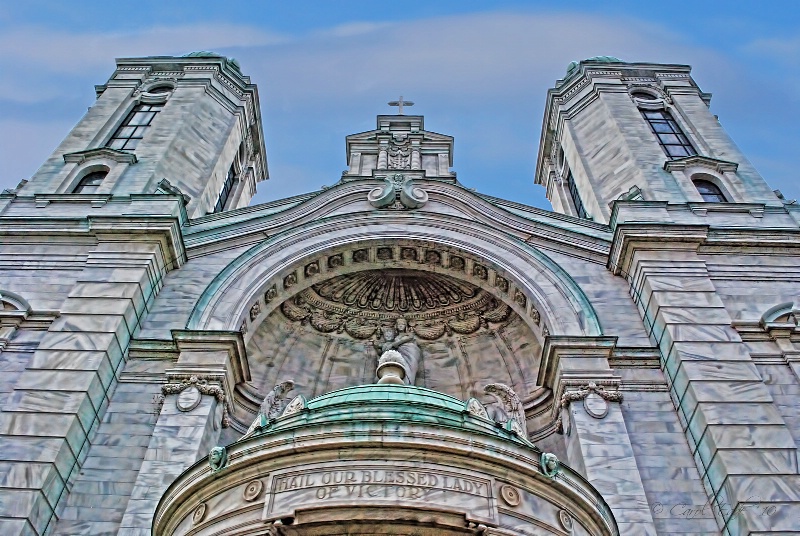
(741,444)
(198,393)
(596,437)
(48,421)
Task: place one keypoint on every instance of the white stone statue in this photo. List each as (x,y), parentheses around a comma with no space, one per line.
(403,347)
(511,406)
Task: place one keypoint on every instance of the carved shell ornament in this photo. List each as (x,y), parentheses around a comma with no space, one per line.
(433,304)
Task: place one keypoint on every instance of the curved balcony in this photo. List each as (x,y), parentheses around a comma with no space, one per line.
(382,459)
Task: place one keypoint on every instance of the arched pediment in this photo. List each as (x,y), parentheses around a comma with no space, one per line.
(521,276)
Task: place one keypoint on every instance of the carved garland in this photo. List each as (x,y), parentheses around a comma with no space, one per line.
(204,387)
(573,396)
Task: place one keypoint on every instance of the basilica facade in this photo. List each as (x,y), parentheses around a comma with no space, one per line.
(398,354)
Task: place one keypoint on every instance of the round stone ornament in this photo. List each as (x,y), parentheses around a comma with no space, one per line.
(510,495)
(566,520)
(595,405)
(189,398)
(252,490)
(199,513)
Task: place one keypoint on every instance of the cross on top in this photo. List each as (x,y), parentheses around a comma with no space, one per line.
(400,103)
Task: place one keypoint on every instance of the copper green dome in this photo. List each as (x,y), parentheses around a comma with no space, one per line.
(398,404)
(599,59)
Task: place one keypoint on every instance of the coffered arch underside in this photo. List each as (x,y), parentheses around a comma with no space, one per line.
(257,282)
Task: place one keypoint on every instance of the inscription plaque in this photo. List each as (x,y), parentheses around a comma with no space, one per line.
(380,485)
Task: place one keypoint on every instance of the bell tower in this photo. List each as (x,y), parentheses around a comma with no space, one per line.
(617,131)
(188,125)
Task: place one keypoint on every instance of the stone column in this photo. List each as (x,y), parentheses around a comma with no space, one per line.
(198,395)
(741,444)
(383,156)
(59,400)
(597,441)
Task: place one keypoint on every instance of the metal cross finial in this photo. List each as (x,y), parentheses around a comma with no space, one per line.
(400,103)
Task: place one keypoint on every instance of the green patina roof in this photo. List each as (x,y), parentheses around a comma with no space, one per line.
(208,54)
(364,404)
(406,394)
(600,59)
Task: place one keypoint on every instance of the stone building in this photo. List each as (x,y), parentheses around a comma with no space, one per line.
(397,354)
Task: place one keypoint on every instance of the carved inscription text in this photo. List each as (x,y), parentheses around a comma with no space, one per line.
(377,484)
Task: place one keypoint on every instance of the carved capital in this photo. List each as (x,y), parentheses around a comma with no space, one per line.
(202,384)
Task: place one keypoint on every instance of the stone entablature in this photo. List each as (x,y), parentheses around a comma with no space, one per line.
(372,453)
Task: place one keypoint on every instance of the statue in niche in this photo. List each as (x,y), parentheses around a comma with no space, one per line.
(398,346)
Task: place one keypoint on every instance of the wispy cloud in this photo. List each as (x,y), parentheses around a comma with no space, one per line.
(68,52)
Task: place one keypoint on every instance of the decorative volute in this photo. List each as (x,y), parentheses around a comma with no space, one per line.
(399,144)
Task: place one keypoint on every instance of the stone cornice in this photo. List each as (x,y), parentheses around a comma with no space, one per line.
(101,153)
(205,341)
(348,201)
(627,236)
(556,347)
(720,166)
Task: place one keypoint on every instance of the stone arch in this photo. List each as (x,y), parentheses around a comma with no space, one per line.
(12,301)
(254,284)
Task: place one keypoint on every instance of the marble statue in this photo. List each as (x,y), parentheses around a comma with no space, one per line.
(272,407)
(510,405)
(407,352)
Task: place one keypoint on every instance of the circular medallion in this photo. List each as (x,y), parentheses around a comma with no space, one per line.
(252,490)
(199,513)
(566,520)
(595,405)
(510,495)
(189,398)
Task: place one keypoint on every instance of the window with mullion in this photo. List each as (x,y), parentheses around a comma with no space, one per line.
(132,129)
(225,192)
(580,210)
(669,134)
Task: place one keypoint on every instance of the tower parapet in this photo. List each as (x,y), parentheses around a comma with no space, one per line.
(637,131)
(193,120)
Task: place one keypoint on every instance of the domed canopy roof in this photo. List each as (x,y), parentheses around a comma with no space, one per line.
(599,59)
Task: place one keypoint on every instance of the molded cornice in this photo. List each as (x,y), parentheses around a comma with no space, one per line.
(80,157)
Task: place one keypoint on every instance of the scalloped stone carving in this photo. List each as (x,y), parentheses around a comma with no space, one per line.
(432,304)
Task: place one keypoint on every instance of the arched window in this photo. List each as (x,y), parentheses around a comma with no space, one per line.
(709,191)
(90,182)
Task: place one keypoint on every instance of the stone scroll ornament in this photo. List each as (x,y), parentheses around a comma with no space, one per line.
(203,387)
(590,389)
(398,192)
(271,408)
(512,407)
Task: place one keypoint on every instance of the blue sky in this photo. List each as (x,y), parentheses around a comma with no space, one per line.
(477,70)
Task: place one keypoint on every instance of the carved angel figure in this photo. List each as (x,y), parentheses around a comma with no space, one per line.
(272,406)
(511,406)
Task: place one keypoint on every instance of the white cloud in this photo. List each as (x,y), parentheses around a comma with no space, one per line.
(67,52)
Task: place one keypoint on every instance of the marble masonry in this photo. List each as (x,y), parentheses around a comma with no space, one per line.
(396,353)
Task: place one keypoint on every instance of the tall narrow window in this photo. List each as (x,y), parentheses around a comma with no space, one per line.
(132,130)
(90,182)
(709,191)
(225,192)
(669,134)
(576,198)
